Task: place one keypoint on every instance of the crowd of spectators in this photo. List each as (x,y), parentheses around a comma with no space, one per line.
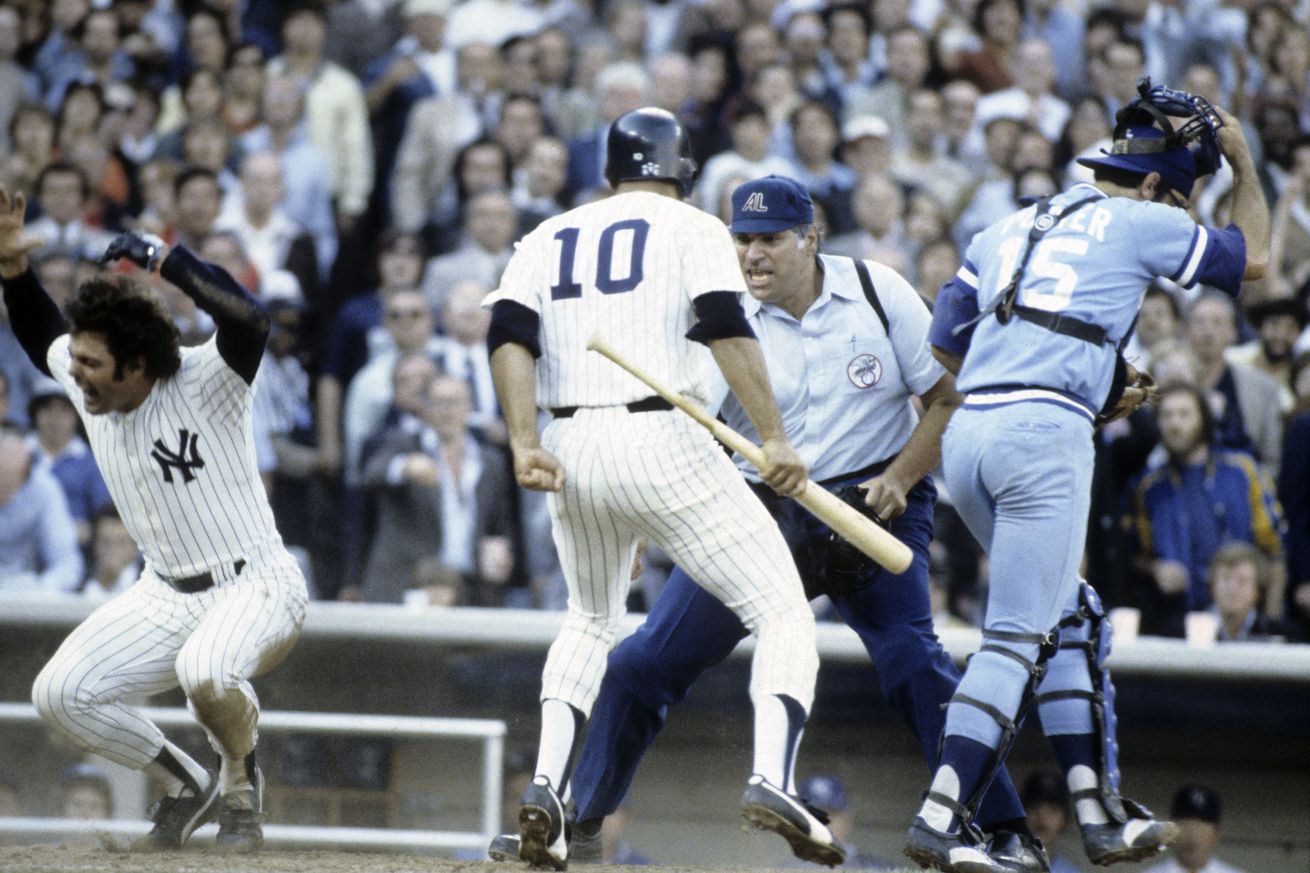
(364,167)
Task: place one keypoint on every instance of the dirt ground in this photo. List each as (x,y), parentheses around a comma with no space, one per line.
(63,859)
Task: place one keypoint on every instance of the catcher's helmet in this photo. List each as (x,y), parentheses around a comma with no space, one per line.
(648,144)
(1146,139)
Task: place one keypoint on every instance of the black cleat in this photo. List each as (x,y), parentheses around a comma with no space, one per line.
(1018,853)
(176,818)
(543,842)
(804,827)
(957,852)
(1139,838)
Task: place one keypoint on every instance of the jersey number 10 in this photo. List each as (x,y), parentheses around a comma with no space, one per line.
(568,287)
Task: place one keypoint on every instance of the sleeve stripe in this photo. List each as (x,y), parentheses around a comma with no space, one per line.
(967,276)
(1200,241)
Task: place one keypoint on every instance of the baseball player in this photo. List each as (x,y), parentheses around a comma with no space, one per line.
(652,275)
(844,358)
(1034,324)
(219,599)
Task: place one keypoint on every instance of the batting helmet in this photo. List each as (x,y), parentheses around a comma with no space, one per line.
(648,144)
(1146,140)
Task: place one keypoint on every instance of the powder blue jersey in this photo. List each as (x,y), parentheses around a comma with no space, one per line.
(1093,265)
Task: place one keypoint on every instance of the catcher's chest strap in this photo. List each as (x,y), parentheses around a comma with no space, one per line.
(1004,305)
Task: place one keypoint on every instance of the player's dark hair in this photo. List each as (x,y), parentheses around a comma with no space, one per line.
(134,324)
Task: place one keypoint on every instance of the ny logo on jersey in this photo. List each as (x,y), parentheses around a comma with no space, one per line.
(167,458)
(755,203)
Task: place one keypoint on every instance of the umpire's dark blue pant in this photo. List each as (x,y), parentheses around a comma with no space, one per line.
(689,631)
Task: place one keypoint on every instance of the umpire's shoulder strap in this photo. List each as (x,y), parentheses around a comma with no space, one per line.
(866,282)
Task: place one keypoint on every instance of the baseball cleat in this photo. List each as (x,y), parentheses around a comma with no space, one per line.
(543,842)
(1018,853)
(504,847)
(241,819)
(1138,838)
(176,818)
(803,826)
(957,852)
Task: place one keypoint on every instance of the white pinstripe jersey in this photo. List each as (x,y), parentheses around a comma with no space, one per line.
(626,267)
(181,466)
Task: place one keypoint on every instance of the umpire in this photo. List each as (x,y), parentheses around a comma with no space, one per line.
(846,346)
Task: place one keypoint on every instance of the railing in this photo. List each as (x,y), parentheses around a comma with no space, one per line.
(531,630)
(490,732)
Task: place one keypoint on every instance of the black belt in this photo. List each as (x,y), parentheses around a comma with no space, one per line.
(864,473)
(201,581)
(649,404)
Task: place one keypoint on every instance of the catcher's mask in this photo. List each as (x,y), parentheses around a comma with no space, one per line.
(1146,139)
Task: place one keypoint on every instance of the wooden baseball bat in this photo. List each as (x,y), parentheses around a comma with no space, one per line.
(859,530)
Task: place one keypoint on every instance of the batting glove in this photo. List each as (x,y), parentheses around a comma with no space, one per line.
(143,249)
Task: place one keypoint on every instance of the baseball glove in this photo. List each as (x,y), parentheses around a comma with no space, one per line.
(142,249)
(848,568)
(1138,388)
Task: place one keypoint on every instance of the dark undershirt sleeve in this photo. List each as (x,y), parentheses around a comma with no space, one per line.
(719,316)
(34,317)
(512,322)
(242,321)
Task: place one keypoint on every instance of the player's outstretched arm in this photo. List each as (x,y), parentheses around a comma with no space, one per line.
(36,319)
(1250,211)
(742,364)
(241,321)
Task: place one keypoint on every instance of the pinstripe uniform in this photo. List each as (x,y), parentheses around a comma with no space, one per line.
(629,267)
(193,504)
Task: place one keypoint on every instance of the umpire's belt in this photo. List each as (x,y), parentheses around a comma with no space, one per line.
(201,581)
(648,404)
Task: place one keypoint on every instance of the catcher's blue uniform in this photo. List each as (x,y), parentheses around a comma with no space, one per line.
(1017,456)
(843,380)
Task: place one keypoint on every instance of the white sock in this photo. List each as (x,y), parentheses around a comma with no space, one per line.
(776,740)
(559,730)
(173,784)
(946,781)
(1088,809)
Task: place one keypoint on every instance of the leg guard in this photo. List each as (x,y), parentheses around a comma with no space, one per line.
(1095,646)
(1047,644)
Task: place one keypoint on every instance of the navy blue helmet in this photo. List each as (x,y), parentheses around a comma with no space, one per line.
(648,144)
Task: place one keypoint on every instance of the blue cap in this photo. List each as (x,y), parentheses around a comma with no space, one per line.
(825,792)
(1176,166)
(769,205)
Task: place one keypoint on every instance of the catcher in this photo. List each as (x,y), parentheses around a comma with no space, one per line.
(1034,325)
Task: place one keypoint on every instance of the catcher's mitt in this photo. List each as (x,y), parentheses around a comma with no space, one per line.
(1138,388)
